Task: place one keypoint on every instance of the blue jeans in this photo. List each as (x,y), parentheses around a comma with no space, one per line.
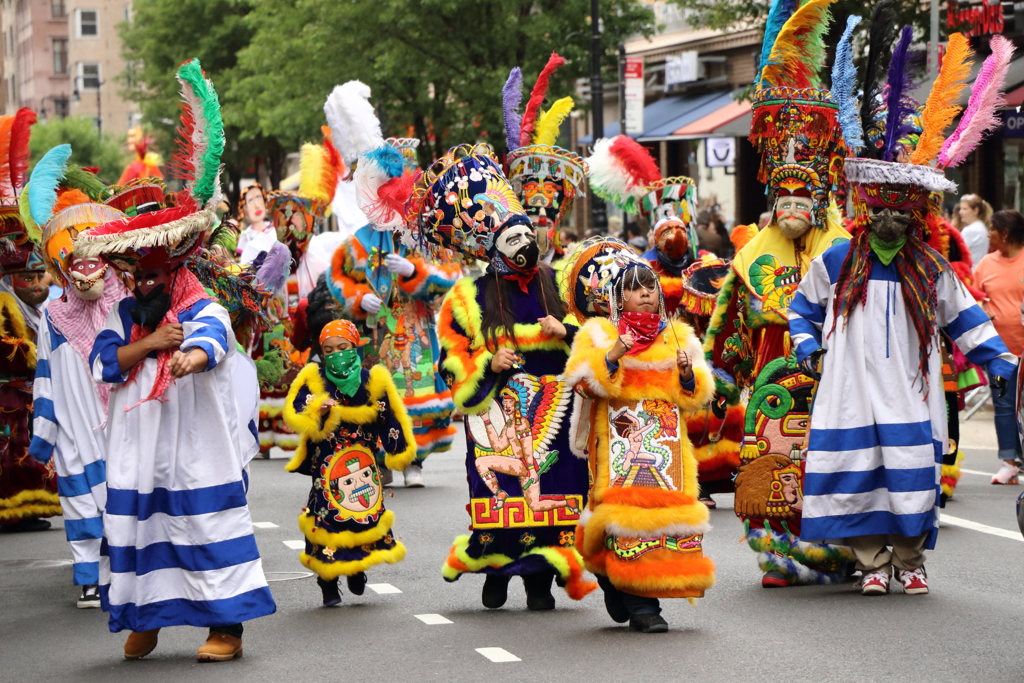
(1006,419)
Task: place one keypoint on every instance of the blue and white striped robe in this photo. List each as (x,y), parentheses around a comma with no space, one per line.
(178,542)
(67,426)
(877,431)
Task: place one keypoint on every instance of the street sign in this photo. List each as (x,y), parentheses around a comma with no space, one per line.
(681,68)
(1013,124)
(719,152)
(634,70)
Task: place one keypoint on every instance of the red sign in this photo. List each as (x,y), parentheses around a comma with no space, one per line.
(975,20)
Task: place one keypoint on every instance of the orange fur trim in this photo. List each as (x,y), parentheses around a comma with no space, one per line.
(646,498)
(681,577)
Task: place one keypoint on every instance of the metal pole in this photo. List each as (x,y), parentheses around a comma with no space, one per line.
(99,109)
(622,89)
(933,42)
(598,217)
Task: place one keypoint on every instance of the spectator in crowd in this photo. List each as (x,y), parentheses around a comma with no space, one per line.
(975,214)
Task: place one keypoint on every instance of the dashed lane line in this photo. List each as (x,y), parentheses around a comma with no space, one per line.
(383,588)
(433,619)
(979,472)
(264,525)
(498,654)
(295,545)
(983,528)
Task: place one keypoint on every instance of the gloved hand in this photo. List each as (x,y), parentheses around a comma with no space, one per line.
(399,265)
(810,364)
(370,303)
(999,385)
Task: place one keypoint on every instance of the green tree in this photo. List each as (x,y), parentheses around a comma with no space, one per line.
(87,148)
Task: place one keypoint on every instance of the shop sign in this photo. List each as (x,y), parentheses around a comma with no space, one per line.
(975,19)
(634,69)
(1013,124)
(719,152)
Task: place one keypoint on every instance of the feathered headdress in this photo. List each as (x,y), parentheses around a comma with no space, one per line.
(354,124)
(844,85)
(943,103)
(778,15)
(799,49)
(881,33)
(620,171)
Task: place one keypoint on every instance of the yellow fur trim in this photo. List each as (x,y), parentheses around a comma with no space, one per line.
(497,560)
(333,570)
(14,329)
(345,539)
(692,518)
(29,504)
(588,359)
(381,381)
(714,450)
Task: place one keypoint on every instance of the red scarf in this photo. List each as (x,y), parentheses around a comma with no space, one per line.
(513,273)
(643,326)
(186,290)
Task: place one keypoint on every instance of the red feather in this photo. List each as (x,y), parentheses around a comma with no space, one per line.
(540,91)
(636,160)
(392,196)
(333,155)
(21,131)
(181,163)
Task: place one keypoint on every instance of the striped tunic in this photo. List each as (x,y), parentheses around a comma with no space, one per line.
(67,426)
(878,430)
(178,543)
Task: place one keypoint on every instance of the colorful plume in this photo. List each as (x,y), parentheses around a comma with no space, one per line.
(943,103)
(511,98)
(354,124)
(778,15)
(844,86)
(41,191)
(880,36)
(799,49)
(899,106)
(982,113)
(540,91)
(549,122)
(201,134)
(620,169)
(318,170)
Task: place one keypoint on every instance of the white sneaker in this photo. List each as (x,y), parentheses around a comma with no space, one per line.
(875,583)
(414,476)
(90,598)
(915,581)
(1007,474)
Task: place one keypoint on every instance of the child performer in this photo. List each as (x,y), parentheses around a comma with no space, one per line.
(344,415)
(641,534)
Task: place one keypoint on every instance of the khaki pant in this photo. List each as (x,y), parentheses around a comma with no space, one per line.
(873,552)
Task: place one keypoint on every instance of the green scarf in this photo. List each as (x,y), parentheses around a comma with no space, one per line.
(886,251)
(344,369)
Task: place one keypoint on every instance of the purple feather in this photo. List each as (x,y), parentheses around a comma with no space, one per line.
(277,264)
(511,98)
(898,104)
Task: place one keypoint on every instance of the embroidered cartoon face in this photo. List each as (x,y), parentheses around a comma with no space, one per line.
(354,481)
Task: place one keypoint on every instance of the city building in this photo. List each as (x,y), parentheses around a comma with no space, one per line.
(36,68)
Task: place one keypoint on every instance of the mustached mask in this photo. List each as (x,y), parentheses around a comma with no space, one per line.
(87,278)
(150,308)
(518,248)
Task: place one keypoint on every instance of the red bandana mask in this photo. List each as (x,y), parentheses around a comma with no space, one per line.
(644,328)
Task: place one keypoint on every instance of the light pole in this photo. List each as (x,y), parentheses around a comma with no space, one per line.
(99,102)
(598,216)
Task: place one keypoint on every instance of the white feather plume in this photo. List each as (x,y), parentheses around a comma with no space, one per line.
(368,178)
(354,124)
(608,179)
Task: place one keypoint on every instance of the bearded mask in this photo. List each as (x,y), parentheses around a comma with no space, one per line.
(793,215)
(518,245)
(87,278)
(673,242)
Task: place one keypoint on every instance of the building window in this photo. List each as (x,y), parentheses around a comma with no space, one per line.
(58,9)
(87,23)
(88,76)
(60,56)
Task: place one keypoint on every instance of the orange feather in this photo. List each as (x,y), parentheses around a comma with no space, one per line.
(944,101)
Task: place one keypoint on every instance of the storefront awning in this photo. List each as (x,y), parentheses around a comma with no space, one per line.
(731,120)
(670,114)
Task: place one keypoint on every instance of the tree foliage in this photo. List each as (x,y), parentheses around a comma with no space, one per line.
(87,148)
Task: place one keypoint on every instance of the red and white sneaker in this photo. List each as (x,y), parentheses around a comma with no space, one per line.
(875,583)
(915,581)
(1007,474)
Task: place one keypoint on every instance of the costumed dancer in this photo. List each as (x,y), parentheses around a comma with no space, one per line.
(181,419)
(643,529)
(868,313)
(389,290)
(796,129)
(296,217)
(28,490)
(546,177)
(259,234)
(146,163)
(345,415)
(504,347)
(69,408)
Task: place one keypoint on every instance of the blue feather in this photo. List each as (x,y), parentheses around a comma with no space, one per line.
(778,15)
(511,98)
(898,103)
(844,82)
(389,159)
(44,181)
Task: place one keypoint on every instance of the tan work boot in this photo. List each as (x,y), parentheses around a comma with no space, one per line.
(140,643)
(220,647)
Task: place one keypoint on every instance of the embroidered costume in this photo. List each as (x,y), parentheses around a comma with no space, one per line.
(795,126)
(643,527)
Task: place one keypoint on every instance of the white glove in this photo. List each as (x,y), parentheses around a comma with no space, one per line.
(399,265)
(370,303)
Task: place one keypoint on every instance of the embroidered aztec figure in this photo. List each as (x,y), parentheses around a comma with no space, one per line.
(774,283)
(638,457)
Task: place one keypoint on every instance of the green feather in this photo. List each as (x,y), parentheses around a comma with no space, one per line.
(77,179)
(205,108)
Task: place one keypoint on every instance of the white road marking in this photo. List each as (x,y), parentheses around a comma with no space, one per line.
(983,528)
(382,588)
(498,654)
(979,472)
(264,525)
(295,545)
(432,619)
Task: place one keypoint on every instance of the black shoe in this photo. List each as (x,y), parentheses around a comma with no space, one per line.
(617,609)
(648,623)
(356,583)
(329,589)
(538,591)
(25,525)
(90,597)
(495,591)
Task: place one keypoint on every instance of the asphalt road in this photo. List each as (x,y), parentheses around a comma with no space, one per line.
(965,630)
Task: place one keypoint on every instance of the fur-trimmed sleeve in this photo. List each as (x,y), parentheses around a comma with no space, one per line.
(394,427)
(703,380)
(587,362)
(429,281)
(465,360)
(727,344)
(302,406)
(345,282)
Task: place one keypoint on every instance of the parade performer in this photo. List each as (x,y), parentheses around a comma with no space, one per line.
(181,419)
(259,234)
(146,163)
(28,490)
(296,217)
(642,532)
(795,126)
(546,177)
(868,314)
(344,415)
(385,286)
(69,408)
(504,347)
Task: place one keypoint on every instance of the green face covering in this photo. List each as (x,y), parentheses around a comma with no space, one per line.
(886,251)
(343,368)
